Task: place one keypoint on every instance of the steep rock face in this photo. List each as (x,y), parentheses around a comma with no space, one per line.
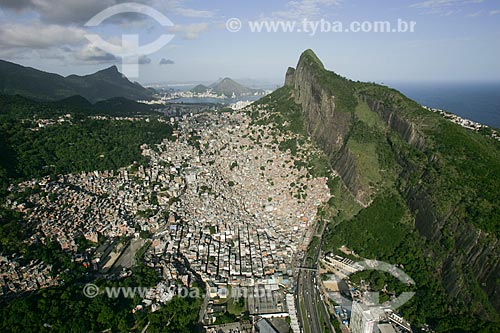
(474,258)
(471,261)
(478,255)
(393,119)
(325,123)
(469,258)
(290,73)
(346,167)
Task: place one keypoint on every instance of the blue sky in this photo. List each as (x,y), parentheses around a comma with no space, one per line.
(454,40)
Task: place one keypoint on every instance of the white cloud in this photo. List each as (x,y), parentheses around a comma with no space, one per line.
(179,7)
(94,55)
(15,54)
(80,11)
(189,12)
(90,54)
(16,4)
(39,36)
(60,11)
(476,14)
(495,12)
(190,31)
(443,7)
(300,9)
(443,3)
(51,54)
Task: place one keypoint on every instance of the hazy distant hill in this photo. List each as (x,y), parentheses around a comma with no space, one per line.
(33,83)
(200,89)
(228,87)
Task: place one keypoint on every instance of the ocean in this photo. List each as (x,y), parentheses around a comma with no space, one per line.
(479,102)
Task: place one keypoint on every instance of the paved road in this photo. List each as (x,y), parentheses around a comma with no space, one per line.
(308,297)
(203,308)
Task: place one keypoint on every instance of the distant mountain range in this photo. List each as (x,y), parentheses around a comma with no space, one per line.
(226,87)
(105,84)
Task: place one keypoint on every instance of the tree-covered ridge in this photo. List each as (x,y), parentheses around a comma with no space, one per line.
(79,144)
(459,167)
(454,176)
(22,108)
(85,146)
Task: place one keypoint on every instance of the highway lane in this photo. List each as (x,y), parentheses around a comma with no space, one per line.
(308,297)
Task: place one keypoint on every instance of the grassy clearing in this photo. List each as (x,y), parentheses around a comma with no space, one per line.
(366,115)
(236,306)
(367,162)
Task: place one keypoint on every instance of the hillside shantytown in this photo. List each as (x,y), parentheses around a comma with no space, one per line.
(296,166)
(232,202)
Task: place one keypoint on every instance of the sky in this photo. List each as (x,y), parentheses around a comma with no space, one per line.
(452,41)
